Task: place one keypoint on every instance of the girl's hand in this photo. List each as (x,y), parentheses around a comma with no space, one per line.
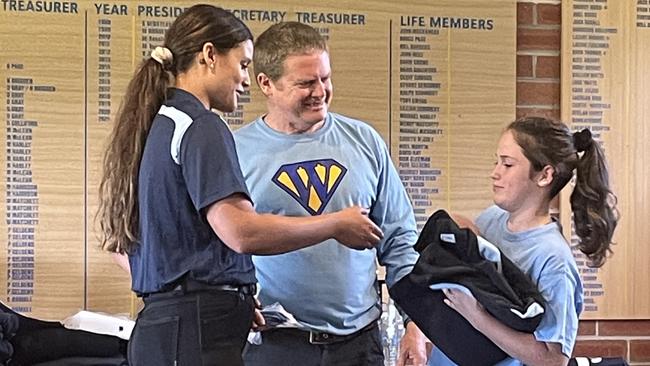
(465,305)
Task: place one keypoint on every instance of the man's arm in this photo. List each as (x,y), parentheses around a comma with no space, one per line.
(393,212)
(235,221)
(413,347)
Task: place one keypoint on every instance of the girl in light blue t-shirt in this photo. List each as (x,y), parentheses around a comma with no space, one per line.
(536,158)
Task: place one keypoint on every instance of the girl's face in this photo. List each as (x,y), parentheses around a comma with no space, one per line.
(231,77)
(512,187)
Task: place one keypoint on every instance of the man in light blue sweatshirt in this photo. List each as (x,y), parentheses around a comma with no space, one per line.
(300,159)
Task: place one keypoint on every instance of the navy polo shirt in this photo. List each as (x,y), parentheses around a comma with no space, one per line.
(189,162)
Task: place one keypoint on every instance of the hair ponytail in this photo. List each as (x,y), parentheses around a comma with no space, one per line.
(118,191)
(118,213)
(594,205)
(547,142)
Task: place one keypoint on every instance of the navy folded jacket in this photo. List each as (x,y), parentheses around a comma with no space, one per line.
(451,255)
(34,341)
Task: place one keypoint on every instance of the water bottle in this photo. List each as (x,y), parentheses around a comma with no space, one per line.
(392,329)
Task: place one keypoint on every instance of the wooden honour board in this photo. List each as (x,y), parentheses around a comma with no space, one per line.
(606,58)
(436,80)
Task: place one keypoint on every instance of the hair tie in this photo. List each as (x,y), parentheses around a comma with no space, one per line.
(582,140)
(163,55)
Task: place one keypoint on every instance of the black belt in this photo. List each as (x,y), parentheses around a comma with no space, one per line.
(196,286)
(190,286)
(316,337)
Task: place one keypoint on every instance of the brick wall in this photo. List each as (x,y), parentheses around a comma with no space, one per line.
(629,339)
(538,59)
(538,93)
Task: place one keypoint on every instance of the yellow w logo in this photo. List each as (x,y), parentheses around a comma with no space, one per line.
(311,183)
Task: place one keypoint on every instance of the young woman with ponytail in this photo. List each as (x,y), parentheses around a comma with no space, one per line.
(536,158)
(173,198)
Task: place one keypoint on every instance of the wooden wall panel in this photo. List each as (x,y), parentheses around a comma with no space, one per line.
(437,81)
(604,88)
(42,106)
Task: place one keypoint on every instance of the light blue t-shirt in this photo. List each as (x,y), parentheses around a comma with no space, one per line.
(545,256)
(328,286)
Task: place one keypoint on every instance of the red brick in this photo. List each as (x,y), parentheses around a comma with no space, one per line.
(524,66)
(538,39)
(544,93)
(587,327)
(601,348)
(624,328)
(639,350)
(549,14)
(525,13)
(548,67)
(553,113)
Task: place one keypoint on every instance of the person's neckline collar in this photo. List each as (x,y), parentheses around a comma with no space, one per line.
(296,136)
(184,96)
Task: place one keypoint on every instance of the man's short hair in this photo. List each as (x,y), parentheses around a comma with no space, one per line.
(280,41)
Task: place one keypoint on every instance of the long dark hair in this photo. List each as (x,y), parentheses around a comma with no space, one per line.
(118,191)
(547,142)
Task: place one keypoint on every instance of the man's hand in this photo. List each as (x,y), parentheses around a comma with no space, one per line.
(413,347)
(355,230)
(258,318)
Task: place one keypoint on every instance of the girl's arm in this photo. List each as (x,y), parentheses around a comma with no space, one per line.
(519,345)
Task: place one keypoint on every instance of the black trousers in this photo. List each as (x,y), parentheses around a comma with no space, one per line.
(282,347)
(203,328)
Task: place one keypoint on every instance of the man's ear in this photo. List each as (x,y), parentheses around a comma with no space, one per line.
(545,177)
(265,83)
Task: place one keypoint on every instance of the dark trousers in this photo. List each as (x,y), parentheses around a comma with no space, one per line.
(192,329)
(282,347)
